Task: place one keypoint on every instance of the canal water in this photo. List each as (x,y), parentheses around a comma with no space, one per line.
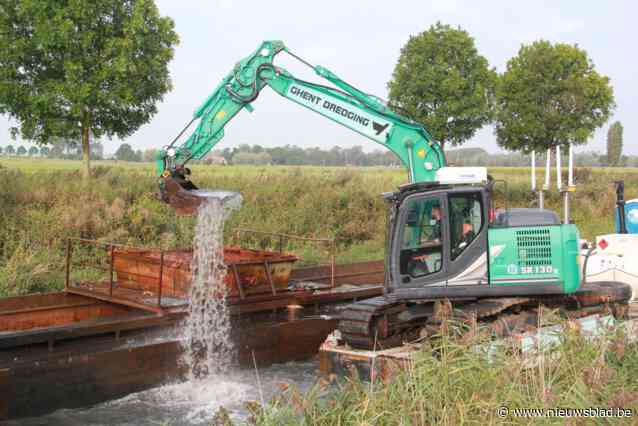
(189,403)
(212,381)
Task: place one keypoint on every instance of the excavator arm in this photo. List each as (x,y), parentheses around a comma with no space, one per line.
(344,104)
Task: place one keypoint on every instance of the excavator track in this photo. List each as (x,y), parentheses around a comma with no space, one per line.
(367,324)
(385,322)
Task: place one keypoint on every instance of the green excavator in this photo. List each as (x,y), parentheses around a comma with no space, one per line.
(447,250)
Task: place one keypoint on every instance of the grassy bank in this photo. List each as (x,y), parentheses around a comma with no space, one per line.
(42,202)
(451,383)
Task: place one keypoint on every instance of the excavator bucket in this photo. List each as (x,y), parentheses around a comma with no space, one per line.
(185,202)
(186,198)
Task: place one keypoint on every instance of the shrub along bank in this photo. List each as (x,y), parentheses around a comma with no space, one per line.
(44,202)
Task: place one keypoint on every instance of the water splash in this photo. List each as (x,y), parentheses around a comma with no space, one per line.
(208,348)
(188,403)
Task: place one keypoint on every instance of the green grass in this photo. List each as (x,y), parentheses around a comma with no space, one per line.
(452,383)
(35,164)
(42,202)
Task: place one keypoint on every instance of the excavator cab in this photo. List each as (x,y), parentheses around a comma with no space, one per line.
(439,236)
(445,241)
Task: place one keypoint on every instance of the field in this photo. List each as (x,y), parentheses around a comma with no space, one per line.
(42,202)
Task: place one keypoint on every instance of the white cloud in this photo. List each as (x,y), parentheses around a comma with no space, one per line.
(360,41)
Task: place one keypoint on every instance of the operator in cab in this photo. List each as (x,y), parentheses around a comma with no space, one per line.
(425,258)
(468,234)
(435,233)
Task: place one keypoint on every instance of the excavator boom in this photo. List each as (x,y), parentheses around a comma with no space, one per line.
(352,108)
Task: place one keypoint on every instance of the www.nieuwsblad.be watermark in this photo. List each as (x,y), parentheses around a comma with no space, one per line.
(560,412)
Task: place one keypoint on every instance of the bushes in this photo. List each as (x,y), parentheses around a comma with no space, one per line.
(453,383)
(43,207)
(31,270)
(40,209)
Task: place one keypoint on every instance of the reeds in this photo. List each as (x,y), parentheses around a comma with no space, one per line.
(450,382)
(42,202)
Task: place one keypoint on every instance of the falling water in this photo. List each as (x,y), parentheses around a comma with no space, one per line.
(207,345)
(208,351)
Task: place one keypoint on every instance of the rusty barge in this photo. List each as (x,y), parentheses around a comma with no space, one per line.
(114,329)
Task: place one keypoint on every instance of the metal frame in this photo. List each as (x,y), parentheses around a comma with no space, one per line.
(331,242)
(112,283)
(111,293)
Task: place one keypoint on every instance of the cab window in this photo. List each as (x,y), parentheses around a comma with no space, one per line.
(421,250)
(466,221)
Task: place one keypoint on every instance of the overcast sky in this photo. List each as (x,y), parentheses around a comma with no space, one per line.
(360,42)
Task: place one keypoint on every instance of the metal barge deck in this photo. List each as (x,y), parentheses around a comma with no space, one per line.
(99,341)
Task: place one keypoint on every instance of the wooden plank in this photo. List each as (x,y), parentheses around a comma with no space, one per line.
(60,316)
(87,302)
(85,328)
(267,305)
(35,302)
(358,273)
(339,296)
(116,299)
(282,300)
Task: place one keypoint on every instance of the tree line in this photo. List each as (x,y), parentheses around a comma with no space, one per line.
(99,68)
(60,149)
(355,156)
(72,150)
(292,155)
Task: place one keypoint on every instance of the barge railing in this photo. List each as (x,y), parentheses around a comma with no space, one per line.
(279,238)
(101,283)
(156,284)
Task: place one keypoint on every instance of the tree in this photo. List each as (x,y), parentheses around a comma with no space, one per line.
(33,151)
(71,68)
(1,150)
(97,150)
(10,150)
(22,150)
(57,151)
(227,153)
(443,83)
(247,157)
(149,155)
(550,95)
(44,151)
(614,144)
(126,153)
(624,160)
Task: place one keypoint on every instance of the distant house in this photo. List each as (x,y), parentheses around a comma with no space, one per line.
(216,160)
